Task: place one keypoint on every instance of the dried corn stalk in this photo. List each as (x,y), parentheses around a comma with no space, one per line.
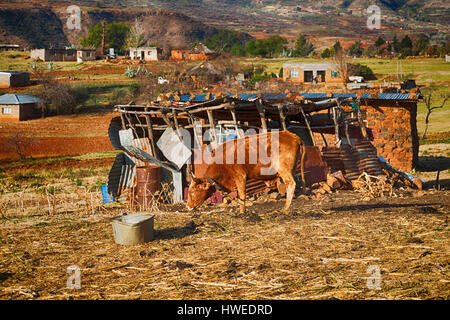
(373,186)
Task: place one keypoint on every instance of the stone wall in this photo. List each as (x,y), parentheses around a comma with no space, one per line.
(394,128)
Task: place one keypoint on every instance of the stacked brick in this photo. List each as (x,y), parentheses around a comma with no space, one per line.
(394,128)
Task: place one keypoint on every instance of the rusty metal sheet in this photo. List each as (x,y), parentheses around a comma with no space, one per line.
(121,178)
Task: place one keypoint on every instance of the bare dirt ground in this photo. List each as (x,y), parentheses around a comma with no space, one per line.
(58,136)
(321,250)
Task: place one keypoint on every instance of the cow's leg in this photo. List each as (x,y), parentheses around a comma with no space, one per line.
(289,181)
(240,184)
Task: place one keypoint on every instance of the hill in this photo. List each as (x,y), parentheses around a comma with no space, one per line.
(46,27)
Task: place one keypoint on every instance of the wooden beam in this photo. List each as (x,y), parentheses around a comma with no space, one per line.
(213,129)
(309,127)
(262,115)
(282,117)
(151,137)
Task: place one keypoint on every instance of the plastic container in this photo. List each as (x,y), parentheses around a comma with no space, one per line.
(133,229)
(107,198)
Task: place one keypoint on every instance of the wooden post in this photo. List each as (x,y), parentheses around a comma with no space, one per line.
(150,134)
(282,117)
(262,115)
(309,127)
(361,125)
(347,134)
(324,140)
(336,124)
(233,114)
(212,128)
(122,118)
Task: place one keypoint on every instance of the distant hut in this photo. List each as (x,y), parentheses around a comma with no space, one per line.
(199,53)
(10,79)
(19,107)
(205,71)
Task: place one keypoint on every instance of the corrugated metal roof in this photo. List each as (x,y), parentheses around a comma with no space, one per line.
(307,95)
(12,72)
(18,99)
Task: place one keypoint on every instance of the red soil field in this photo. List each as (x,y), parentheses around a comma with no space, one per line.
(58,136)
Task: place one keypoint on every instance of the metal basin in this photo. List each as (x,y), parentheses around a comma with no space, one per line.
(133,229)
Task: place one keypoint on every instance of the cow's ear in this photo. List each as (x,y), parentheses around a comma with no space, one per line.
(205,185)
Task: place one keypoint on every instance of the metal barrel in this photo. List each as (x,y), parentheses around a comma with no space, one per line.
(148,182)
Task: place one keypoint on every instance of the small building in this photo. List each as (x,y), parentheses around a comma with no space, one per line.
(19,107)
(10,79)
(146,53)
(311,72)
(447,58)
(199,53)
(54,54)
(9,47)
(86,55)
(207,71)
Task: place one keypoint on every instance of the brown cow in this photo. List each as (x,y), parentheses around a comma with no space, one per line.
(223,176)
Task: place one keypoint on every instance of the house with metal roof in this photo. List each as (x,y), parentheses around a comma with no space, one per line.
(311,72)
(146,53)
(9,79)
(19,107)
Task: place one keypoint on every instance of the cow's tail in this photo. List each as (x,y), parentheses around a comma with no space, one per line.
(302,165)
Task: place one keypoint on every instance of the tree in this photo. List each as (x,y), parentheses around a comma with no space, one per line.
(395,44)
(371,50)
(431,107)
(380,41)
(356,49)
(303,47)
(340,59)
(421,45)
(406,43)
(270,47)
(337,46)
(21,144)
(238,50)
(135,37)
(224,41)
(115,35)
(326,53)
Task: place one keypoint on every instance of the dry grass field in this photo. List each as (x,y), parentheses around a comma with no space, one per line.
(321,250)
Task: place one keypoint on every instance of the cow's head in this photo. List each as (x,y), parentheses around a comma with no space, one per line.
(199,191)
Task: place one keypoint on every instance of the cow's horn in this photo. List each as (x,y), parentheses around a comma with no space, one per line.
(189,171)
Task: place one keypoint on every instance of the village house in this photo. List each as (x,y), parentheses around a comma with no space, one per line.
(311,72)
(79,55)
(86,55)
(146,53)
(19,107)
(9,47)
(10,79)
(53,54)
(199,53)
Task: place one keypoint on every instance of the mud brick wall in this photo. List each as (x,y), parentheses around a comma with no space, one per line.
(394,127)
